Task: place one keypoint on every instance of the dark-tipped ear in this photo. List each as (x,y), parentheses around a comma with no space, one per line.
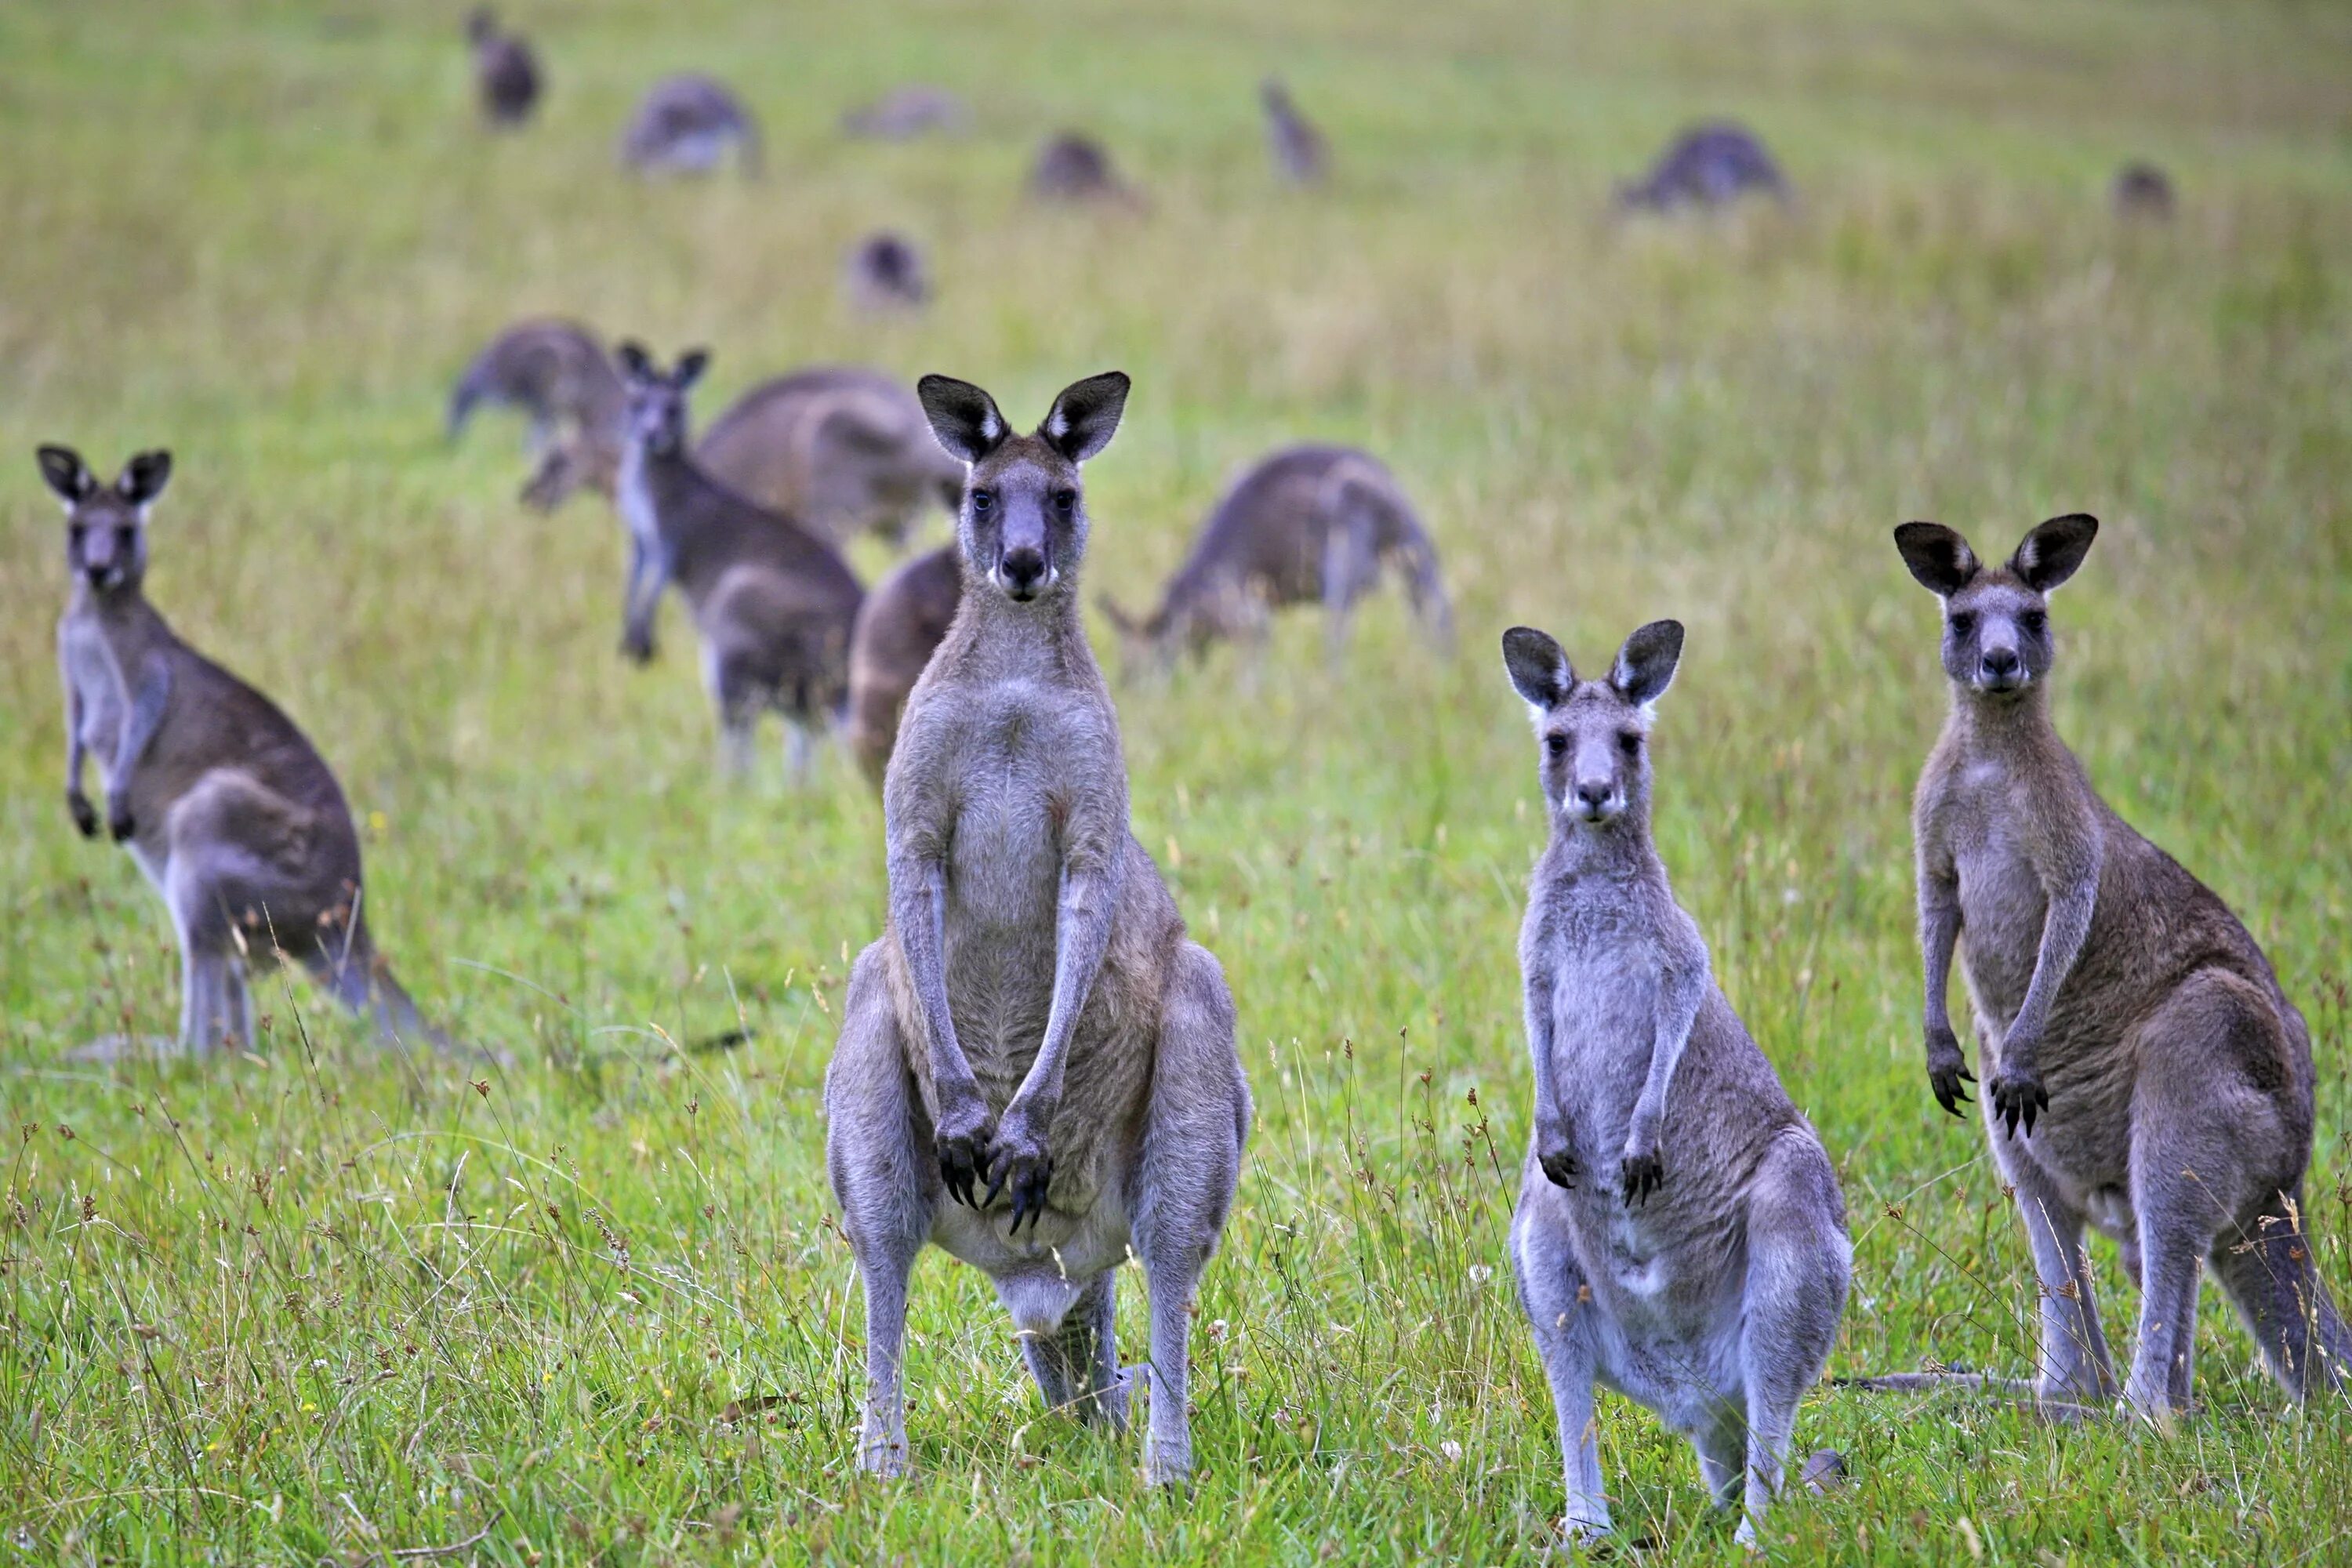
(1538,667)
(962,416)
(635,362)
(690,367)
(1938,556)
(144,476)
(1084,417)
(2049,555)
(1646,665)
(67,474)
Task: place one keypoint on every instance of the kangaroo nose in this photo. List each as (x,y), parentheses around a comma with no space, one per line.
(1591,795)
(1023,568)
(2000,663)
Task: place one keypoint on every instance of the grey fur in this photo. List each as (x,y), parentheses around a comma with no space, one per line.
(1706,166)
(899,626)
(772,603)
(1680,1235)
(687,125)
(1037,1069)
(843,449)
(2128,1026)
(1073,167)
(1300,154)
(225,806)
(558,373)
(885,272)
(506,70)
(2141,190)
(1306,524)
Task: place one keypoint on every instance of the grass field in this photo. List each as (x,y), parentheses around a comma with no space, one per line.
(283,1309)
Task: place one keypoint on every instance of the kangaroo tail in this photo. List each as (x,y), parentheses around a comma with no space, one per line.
(1914,1382)
(360,979)
(2271,1275)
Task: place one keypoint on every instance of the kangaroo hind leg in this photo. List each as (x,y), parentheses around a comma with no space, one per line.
(1800,1263)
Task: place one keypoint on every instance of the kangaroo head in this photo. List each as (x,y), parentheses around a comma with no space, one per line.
(1997,638)
(657,412)
(481,25)
(1595,762)
(106,525)
(1022,524)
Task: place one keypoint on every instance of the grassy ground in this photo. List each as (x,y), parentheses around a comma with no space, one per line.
(281,1307)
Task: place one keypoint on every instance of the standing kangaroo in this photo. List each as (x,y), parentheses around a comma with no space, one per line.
(559,374)
(844,449)
(773,601)
(1306,524)
(506,72)
(225,805)
(899,626)
(1680,1235)
(1037,1069)
(2128,1024)
(1299,153)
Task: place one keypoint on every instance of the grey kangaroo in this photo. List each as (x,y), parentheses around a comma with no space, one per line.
(222,802)
(1299,153)
(1680,1235)
(899,626)
(686,124)
(1305,525)
(883,272)
(1036,1070)
(2144,1071)
(843,449)
(558,373)
(772,603)
(1706,166)
(506,70)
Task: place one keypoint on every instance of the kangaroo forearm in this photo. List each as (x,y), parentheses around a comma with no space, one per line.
(1081,937)
(1539,1026)
(2063,929)
(918,909)
(1940,929)
(1677,1012)
(138,726)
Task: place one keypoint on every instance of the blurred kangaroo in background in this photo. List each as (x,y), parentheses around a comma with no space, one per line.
(1679,1235)
(906,112)
(559,374)
(224,805)
(1299,153)
(2127,1024)
(1706,166)
(901,623)
(842,449)
(506,72)
(1073,167)
(885,272)
(772,603)
(1306,524)
(2141,190)
(687,125)
(1032,1041)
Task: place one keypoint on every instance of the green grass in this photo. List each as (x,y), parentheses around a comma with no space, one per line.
(281,1307)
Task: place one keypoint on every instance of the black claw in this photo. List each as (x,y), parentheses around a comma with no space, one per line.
(1968,1076)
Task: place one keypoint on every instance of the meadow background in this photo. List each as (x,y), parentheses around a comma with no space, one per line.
(284,1309)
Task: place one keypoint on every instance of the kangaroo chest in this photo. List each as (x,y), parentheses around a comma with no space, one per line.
(1604,1007)
(2003,901)
(94,683)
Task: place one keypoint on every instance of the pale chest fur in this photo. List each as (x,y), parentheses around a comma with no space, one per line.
(633,496)
(1978,833)
(89,674)
(1607,951)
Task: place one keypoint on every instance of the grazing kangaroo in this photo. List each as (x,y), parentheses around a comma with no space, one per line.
(1706,166)
(885,272)
(558,373)
(1306,524)
(686,125)
(2141,190)
(1299,153)
(506,72)
(1037,1069)
(2129,1027)
(901,623)
(772,603)
(844,449)
(1071,167)
(906,112)
(222,802)
(1680,1235)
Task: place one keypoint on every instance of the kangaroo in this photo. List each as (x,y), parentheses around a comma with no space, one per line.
(885,272)
(1306,524)
(1300,154)
(772,603)
(225,806)
(1037,1069)
(2129,1027)
(842,449)
(2141,190)
(558,373)
(904,113)
(1679,1235)
(1073,168)
(506,70)
(1706,166)
(902,621)
(686,124)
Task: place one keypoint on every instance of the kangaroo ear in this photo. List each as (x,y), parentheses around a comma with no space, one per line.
(144,476)
(1938,556)
(633,360)
(67,474)
(690,367)
(1538,669)
(2049,555)
(1084,417)
(963,418)
(1646,665)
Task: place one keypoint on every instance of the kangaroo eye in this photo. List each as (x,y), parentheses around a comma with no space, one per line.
(2033,621)
(124,535)
(1630,742)
(1963,622)
(1556,744)
(1065,501)
(982,500)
